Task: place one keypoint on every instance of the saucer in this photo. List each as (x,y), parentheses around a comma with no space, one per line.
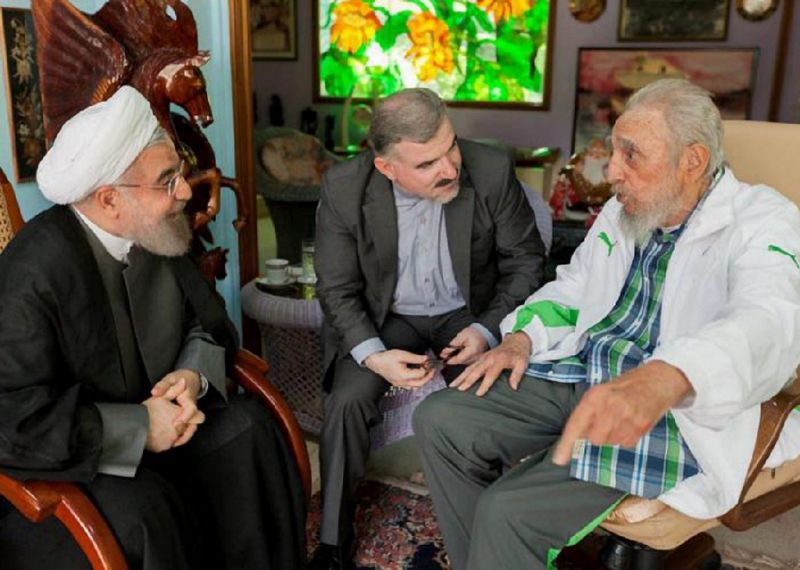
(264,281)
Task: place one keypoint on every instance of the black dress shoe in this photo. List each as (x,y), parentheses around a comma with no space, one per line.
(329,557)
(617,553)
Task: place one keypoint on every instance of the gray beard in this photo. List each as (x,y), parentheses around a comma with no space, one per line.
(641,225)
(170,237)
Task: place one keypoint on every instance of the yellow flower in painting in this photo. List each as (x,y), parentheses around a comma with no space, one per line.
(505,9)
(431,52)
(355,25)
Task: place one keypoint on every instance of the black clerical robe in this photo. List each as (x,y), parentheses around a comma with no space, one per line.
(59,353)
(60,363)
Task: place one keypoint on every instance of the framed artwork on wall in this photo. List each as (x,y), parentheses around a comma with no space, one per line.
(273,29)
(23,98)
(607,77)
(678,20)
(486,52)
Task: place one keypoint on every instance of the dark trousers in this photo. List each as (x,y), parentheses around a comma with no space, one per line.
(492,516)
(351,408)
(230,498)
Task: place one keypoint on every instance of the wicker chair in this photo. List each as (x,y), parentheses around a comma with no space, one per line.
(39,500)
(10,217)
(289,167)
(758,153)
(291,342)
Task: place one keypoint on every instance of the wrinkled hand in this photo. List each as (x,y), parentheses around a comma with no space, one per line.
(182,388)
(400,368)
(465,347)
(620,412)
(511,354)
(162,432)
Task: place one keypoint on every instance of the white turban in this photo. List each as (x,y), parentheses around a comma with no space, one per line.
(96,146)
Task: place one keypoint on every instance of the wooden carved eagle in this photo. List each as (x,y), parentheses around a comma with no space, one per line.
(148,44)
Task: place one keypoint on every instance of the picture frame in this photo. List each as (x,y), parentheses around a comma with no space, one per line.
(675,21)
(606,77)
(476,54)
(273,29)
(23,95)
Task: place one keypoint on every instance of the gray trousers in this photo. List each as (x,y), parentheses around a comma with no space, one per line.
(493,517)
(351,408)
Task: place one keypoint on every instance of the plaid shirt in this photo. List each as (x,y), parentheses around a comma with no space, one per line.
(623,340)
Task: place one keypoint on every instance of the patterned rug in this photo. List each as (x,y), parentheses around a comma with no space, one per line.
(397,528)
(398,531)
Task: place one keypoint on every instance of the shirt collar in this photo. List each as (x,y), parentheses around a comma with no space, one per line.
(116,246)
(403,197)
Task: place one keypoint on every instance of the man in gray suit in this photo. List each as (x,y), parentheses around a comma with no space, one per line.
(423,243)
(113,352)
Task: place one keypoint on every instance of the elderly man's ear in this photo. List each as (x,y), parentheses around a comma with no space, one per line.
(694,161)
(108,199)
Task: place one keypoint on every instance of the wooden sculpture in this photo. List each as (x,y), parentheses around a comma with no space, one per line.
(152,46)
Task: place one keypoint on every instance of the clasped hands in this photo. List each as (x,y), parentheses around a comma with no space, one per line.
(619,412)
(408,370)
(172,407)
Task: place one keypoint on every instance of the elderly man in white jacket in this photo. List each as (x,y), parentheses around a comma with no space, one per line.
(685,293)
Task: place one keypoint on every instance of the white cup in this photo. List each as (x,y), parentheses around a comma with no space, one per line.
(277,270)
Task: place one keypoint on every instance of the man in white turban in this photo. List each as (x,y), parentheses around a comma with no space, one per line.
(112,367)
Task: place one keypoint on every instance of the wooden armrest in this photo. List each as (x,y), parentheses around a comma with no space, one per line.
(774,413)
(38,500)
(250,372)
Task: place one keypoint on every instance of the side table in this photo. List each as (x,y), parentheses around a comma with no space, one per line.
(290,343)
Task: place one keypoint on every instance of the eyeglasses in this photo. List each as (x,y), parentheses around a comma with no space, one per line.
(172,184)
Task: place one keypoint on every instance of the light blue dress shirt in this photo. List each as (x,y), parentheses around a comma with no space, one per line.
(426,282)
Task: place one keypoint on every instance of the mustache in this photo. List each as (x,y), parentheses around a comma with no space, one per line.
(620,190)
(444,182)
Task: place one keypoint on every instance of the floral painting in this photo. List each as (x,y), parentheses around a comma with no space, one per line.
(468,51)
(24,100)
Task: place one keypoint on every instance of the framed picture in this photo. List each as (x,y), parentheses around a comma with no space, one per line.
(677,20)
(607,77)
(273,29)
(23,97)
(478,53)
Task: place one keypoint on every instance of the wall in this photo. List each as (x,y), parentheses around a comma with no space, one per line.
(790,104)
(214,32)
(212,23)
(293,80)
(31,201)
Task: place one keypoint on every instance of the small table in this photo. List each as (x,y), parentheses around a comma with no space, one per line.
(290,342)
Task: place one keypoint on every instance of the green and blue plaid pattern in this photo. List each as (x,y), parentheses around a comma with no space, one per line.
(624,339)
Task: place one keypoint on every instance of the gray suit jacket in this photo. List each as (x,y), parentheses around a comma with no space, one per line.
(495,247)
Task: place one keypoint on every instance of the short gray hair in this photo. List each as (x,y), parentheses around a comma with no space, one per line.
(690,114)
(411,114)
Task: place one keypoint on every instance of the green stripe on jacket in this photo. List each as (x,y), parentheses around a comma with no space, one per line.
(550,313)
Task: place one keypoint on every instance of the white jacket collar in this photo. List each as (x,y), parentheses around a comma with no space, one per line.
(717,210)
